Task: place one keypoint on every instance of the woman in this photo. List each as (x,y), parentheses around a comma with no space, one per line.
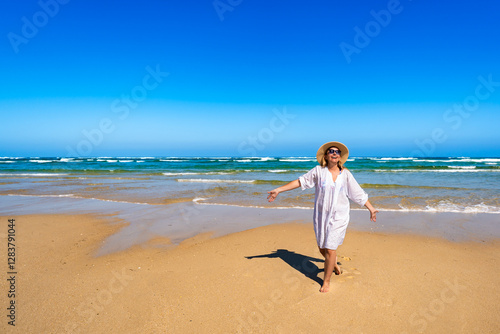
(335,185)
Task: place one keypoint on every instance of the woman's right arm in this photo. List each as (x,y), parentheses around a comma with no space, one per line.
(289,186)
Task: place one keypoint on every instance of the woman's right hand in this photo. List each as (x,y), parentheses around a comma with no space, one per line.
(272,195)
(289,186)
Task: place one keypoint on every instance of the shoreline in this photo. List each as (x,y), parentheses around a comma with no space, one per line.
(261,280)
(181,221)
(412,184)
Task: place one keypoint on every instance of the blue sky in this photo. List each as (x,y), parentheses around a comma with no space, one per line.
(241,77)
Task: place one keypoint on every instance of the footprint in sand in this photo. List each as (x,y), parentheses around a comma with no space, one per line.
(349,274)
(352,271)
(355,271)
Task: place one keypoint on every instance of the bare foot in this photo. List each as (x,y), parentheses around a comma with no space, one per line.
(325,287)
(337,270)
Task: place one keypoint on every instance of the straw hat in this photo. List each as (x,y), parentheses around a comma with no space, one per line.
(344,152)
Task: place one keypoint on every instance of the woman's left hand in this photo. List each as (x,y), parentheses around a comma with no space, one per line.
(373,211)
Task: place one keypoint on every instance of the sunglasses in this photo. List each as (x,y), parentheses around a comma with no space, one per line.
(332,151)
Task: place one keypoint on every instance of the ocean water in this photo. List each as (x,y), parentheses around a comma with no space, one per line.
(451,184)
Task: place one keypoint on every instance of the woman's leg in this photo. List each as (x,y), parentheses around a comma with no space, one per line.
(330,265)
(336,267)
(322,251)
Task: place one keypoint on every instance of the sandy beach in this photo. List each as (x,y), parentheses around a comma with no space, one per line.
(171,167)
(263,280)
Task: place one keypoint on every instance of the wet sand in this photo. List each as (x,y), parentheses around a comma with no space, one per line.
(263,280)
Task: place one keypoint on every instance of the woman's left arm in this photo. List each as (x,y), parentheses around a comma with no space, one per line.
(358,195)
(373,211)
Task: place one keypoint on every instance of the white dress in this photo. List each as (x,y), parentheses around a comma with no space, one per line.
(331,203)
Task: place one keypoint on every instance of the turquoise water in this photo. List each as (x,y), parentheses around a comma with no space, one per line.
(461,184)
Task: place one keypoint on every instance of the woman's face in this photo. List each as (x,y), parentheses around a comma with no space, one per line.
(332,159)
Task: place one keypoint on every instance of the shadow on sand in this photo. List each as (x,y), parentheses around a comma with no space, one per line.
(301,263)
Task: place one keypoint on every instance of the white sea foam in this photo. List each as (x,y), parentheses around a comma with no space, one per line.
(450,207)
(6,162)
(297,160)
(278,170)
(42,161)
(446,206)
(80,197)
(479,208)
(61,195)
(436,170)
(475,160)
(244,160)
(33,174)
(215,181)
(111,160)
(257,206)
(396,159)
(491,160)
(114,201)
(125,160)
(195,173)
(180,174)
